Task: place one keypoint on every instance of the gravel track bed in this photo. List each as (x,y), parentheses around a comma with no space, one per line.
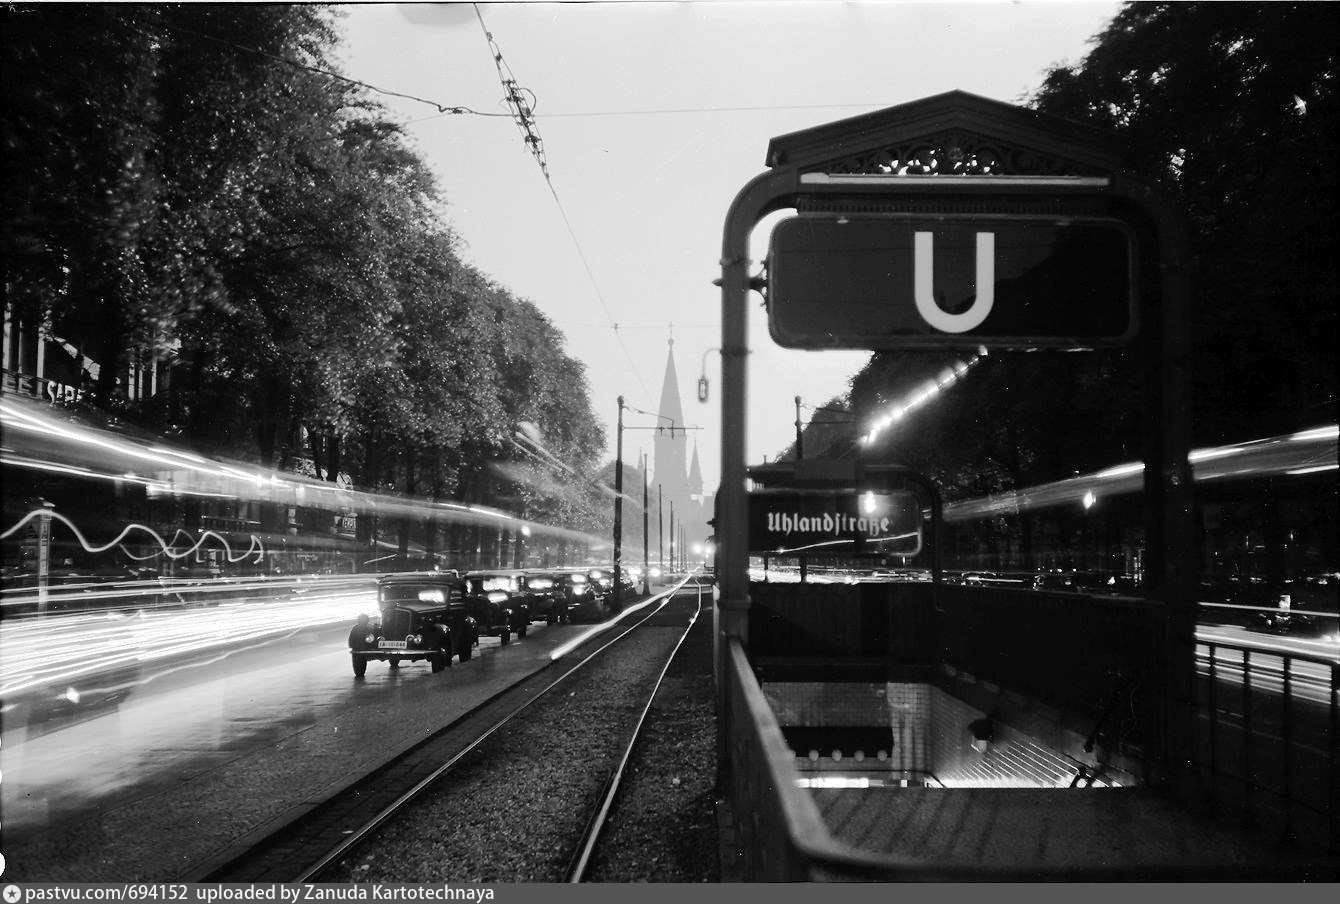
(663,826)
(513,810)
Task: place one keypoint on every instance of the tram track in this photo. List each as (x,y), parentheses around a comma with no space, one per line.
(542,761)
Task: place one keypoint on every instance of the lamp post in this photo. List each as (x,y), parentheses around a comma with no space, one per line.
(672,535)
(660,530)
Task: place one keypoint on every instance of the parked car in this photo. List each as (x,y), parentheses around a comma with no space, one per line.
(544,594)
(495,600)
(582,595)
(422,616)
(601,581)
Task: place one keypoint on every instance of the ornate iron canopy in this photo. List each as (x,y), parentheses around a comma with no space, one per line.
(951,134)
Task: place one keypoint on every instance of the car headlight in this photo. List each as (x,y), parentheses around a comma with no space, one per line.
(415,639)
(370,639)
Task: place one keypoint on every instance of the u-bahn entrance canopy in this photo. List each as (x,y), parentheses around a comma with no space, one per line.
(958,221)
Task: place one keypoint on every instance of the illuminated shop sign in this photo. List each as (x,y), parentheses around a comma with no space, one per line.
(824,523)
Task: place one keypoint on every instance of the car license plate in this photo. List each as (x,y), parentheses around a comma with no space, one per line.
(392,644)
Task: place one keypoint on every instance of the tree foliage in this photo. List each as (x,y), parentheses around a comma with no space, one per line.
(1232,107)
(187,183)
(1230,110)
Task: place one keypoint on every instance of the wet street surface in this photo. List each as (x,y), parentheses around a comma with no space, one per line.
(199,756)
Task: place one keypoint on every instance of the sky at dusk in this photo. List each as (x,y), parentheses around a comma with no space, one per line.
(651,117)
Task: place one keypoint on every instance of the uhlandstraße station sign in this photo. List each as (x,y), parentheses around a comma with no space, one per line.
(844,524)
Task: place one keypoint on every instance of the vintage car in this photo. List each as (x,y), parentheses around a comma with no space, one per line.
(422,616)
(601,581)
(581,596)
(545,595)
(1283,621)
(495,600)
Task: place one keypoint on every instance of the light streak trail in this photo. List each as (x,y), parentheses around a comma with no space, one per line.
(58,651)
(257,548)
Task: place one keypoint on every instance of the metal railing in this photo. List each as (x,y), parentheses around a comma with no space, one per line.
(1268,736)
(781,836)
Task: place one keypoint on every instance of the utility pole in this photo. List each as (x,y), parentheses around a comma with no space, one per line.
(43,554)
(672,535)
(660,530)
(618,508)
(800,454)
(646,560)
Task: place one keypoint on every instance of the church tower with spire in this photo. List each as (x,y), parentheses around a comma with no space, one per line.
(680,481)
(670,465)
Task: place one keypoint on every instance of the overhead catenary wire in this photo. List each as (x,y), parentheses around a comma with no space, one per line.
(681,111)
(522,103)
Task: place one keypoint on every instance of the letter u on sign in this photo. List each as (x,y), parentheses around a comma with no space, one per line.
(923,284)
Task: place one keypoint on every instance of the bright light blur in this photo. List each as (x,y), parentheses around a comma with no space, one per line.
(1300,453)
(58,651)
(37,440)
(929,390)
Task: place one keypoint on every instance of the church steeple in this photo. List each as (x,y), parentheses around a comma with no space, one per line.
(679,484)
(670,406)
(670,444)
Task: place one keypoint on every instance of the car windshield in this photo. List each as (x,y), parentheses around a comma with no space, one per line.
(424,593)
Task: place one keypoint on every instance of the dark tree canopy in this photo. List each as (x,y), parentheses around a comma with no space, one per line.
(1233,108)
(188,187)
(1230,109)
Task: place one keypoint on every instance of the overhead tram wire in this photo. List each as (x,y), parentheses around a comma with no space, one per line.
(686,110)
(524,114)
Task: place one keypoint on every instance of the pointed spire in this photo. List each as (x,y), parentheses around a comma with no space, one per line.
(670,407)
(695,474)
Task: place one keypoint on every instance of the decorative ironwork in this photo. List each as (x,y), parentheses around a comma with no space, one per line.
(955,153)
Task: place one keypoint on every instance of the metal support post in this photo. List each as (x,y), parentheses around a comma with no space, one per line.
(646,560)
(618,509)
(43,555)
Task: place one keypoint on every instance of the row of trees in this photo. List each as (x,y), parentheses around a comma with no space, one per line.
(1231,111)
(188,183)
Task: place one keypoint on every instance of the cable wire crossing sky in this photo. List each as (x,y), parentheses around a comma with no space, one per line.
(653,117)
